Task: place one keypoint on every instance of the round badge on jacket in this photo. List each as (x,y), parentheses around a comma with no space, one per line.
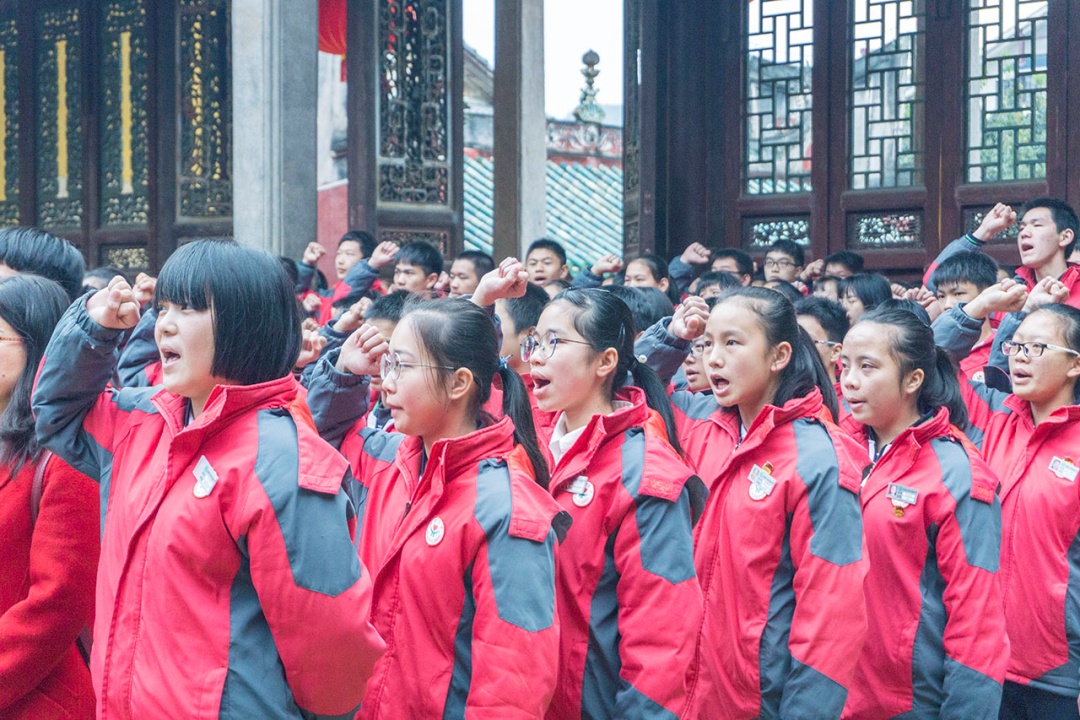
(583,498)
(435,532)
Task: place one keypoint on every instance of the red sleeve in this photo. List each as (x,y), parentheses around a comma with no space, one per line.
(36,632)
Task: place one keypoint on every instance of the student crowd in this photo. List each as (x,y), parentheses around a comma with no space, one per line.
(656,490)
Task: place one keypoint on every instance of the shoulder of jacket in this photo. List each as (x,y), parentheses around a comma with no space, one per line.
(822,450)
(287,444)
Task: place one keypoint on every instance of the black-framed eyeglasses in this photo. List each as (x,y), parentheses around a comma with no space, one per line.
(391,364)
(699,349)
(534,347)
(1032,349)
(785,263)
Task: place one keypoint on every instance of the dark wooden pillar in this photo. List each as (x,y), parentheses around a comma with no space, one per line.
(406,120)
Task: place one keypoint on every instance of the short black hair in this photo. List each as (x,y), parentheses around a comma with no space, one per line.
(647,304)
(30,250)
(1063,215)
(422,254)
(525,311)
(256,317)
(853,261)
(366,240)
(719,278)
(870,288)
(790,248)
(784,288)
(743,261)
(830,316)
(388,307)
(545,244)
(974,267)
(482,262)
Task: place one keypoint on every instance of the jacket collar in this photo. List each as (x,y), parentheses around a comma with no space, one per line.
(452,456)
(601,427)
(1069,277)
(225,403)
(771,416)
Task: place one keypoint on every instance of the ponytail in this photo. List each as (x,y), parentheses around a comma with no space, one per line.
(940,388)
(516,406)
(656,397)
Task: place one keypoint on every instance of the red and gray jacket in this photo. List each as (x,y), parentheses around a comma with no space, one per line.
(228,584)
(1040,540)
(629,600)
(780,557)
(936,643)
(465,587)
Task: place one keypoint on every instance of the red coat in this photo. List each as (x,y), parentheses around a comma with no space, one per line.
(780,557)
(228,582)
(629,600)
(47,594)
(1040,539)
(465,559)
(933,599)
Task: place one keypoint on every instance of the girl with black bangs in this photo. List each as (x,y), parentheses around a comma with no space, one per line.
(224,520)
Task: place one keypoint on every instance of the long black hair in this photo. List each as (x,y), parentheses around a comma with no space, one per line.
(804,371)
(911,343)
(32,306)
(605,321)
(458,334)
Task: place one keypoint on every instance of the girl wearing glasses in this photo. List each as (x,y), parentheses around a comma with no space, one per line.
(47,576)
(779,550)
(1031,438)
(228,582)
(459,528)
(629,600)
(933,531)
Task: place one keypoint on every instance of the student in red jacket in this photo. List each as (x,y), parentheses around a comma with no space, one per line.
(628,596)
(458,526)
(228,584)
(779,550)
(936,642)
(1031,438)
(47,576)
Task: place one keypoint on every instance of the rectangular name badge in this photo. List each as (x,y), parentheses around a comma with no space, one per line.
(1064,469)
(761,483)
(901,496)
(205,478)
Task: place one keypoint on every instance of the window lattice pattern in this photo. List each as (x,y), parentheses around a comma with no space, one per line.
(760,233)
(877,231)
(414,105)
(1006,90)
(125,166)
(886,93)
(779,59)
(204,162)
(973,217)
(9,122)
(59,124)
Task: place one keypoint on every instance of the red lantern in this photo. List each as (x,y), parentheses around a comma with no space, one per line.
(332,26)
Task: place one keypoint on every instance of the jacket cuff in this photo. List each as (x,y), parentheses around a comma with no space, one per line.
(327,369)
(974,240)
(964,320)
(98,334)
(659,332)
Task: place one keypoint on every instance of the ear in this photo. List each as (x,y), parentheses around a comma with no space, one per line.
(430,280)
(914,381)
(564,271)
(781,356)
(747,279)
(834,356)
(1066,238)
(1074,368)
(460,382)
(663,284)
(606,362)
